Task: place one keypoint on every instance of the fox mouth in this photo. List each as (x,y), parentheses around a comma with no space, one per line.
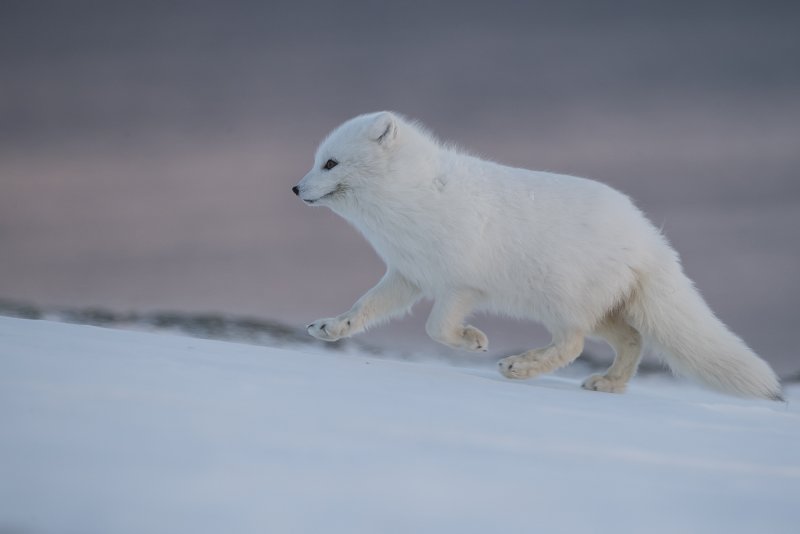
(336,191)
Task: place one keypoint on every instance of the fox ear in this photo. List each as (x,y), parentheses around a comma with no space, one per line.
(383,129)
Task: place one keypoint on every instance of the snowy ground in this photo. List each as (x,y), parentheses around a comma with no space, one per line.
(107,431)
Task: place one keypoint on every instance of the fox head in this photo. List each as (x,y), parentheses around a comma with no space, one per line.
(353,156)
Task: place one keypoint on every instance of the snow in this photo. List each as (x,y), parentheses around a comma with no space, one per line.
(109,431)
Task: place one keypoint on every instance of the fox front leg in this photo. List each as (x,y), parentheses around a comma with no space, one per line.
(392,296)
(446,321)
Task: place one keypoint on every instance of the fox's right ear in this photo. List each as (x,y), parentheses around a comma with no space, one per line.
(383,129)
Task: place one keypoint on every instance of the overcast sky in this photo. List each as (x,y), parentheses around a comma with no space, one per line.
(147,149)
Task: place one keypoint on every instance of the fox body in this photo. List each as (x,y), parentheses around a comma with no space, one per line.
(570,253)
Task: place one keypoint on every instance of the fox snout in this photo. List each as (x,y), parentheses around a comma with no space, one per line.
(316,189)
(296,190)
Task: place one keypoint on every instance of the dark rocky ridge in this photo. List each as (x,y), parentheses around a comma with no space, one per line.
(271,333)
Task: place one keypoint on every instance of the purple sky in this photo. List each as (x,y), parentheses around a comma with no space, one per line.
(147,151)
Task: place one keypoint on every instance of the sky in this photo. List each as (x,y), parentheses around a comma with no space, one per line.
(147,149)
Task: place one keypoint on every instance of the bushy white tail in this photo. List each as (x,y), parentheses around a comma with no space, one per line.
(673,317)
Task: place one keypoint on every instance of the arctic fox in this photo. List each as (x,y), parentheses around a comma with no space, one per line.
(571,253)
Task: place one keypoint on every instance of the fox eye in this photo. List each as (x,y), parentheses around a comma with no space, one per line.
(331,163)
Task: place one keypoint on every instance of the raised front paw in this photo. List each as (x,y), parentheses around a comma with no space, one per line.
(474,339)
(330,329)
(464,338)
(604,384)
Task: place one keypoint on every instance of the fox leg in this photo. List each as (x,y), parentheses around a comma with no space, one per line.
(392,296)
(563,350)
(627,343)
(446,321)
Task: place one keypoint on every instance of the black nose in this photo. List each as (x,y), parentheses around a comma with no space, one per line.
(295,190)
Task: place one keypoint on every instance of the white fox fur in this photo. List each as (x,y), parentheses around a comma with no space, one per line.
(571,253)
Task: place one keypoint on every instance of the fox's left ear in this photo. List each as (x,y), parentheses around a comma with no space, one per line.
(383,129)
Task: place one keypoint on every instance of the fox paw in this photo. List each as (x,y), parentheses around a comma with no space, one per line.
(329,329)
(465,338)
(473,339)
(604,384)
(518,367)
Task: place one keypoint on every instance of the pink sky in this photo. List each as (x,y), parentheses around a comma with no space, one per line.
(146,157)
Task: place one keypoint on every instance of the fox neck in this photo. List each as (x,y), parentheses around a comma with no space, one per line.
(396,211)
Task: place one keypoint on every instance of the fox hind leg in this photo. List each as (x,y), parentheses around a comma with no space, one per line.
(563,350)
(627,344)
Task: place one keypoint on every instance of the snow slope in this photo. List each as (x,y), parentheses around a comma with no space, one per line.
(106,431)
